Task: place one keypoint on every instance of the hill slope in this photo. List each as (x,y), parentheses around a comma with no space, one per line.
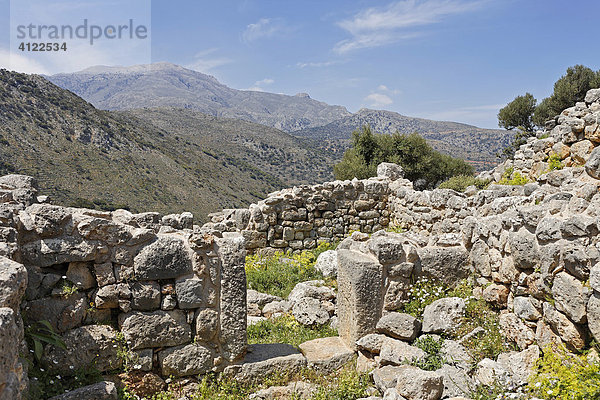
(81,154)
(469,142)
(169,85)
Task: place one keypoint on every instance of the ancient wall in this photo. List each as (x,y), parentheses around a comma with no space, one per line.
(533,249)
(176,292)
(299,218)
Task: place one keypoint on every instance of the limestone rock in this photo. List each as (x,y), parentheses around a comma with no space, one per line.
(327,263)
(326,354)
(571,334)
(443,315)
(265,359)
(592,166)
(63,313)
(145,296)
(446,264)
(415,384)
(514,329)
(190,293)
(397,352)
(400,326)
(86,346)
(166,258)
(13,282)
(359,277)
(570,296)
(191,359)
(169,328)
(390,170)
(98,391)
(371,343)
(490,372)
(456,381)
(310,312)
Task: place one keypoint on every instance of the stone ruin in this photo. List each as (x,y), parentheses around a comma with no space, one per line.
(177,291)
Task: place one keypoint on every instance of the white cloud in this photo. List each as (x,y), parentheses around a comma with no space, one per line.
(378,100)
(375,27)
(20,63)
(264,28)
(384,88)
(258,85)
(205,61)
(317,64)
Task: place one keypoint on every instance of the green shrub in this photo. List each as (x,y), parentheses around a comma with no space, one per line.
(417,158)
(422,293)
(490,343)
(285,329)
(461,182)
(277,274)
(513,178)
(554,162)
(434,360)
(564,376)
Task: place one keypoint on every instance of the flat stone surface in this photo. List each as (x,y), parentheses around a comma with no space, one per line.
(167,328)
(192,359)
(397,352)
(399,325)
(262,360)
(326,354)
(166,258)
(98,391)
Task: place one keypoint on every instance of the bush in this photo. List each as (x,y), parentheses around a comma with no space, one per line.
(277,274)
(420,162)
(513,178)
(286,329)
(561,375)
(461,182)
(554,162)
(434,360)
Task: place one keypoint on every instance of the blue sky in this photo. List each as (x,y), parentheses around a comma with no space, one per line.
(458,60)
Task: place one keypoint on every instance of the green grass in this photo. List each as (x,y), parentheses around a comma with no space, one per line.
(461,182)
(489,344)
(277,274)
(344,384)
(286,329)
(425,291)
(434,360)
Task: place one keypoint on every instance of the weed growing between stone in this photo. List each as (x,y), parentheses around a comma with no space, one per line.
(490,342)
(344,384)
(425,291)
(561,375)
(45,383)
(432,346)
(513,178)
(277,274)
(286,329)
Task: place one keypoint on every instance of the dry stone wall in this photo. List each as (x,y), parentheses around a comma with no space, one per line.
(300,217)
(533,249)
(170,294)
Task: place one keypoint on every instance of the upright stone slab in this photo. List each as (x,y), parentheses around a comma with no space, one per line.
(360,295)
(232,253)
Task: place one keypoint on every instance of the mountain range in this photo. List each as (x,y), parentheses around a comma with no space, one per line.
(170,85)
(330,127)
(165,160)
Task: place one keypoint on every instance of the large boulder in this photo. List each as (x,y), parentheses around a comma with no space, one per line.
(104,390)
(592,166)
(446,264)
(168,328)
(399,325)
(397,352)
(415,384)
(570,296)
(327,263)
(263,360)
(166,258)
(443,315)
(191,359)
(326,354)
(310,312)
(13,282)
